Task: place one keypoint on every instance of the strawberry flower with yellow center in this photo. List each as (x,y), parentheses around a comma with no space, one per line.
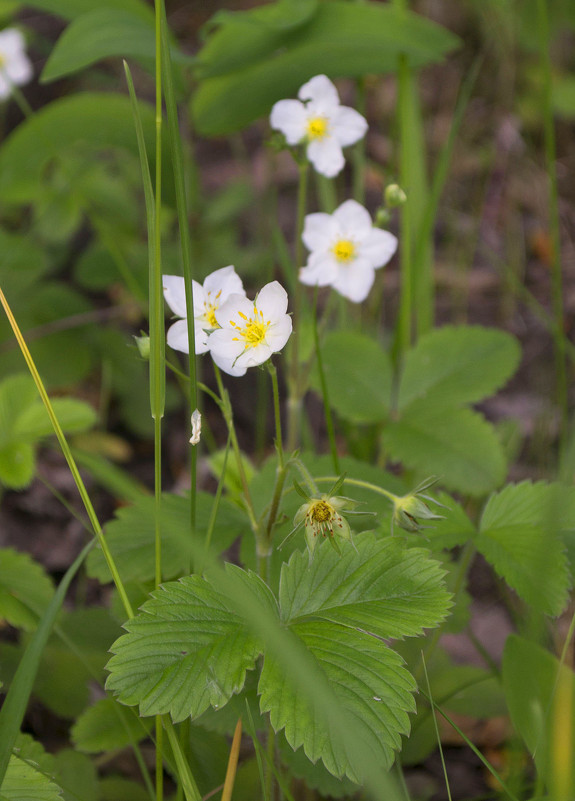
(345,250)
(15,66)
(250,330)
(216,289)
(319,121)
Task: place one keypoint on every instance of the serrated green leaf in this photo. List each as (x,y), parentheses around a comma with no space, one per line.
(371,686)
(519,535)
(539,696)
(92,121)
(315,776)
(189,649)
(359,377)
(457,364)
(106,726)
(383,588)
(131,535)
(457,444)
(25,589)
(23,782)
(340,39)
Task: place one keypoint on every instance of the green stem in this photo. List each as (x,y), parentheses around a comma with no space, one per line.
(186,777)
(556,276)
(405,320)
(279,444)
(294,399)
(95,523)
(324,389)
(356,482)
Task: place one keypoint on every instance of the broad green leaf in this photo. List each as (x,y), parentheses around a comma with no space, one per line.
(17,464)
(25,589)
(455,529)
(359,377)
(189,649)
(106,726)
(76,773)
(17,393)
(383,588)
(23,262)
(519,534)
(70,9)
(457,364)
(73,415)
(91,121)
(372,688)
(340,39)
(456,444)
(315,776)
(131,536)
(23,782)
(116,788)
(98,34)
(541,703)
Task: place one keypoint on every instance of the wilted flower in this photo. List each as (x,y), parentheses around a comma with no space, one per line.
(346,250)
(196,427)
(15,66)
(321,517)
(410,509)
(250,330)
(320,122)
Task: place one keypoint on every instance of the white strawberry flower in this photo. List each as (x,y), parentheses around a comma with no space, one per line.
(15,66)
(321,122)
(345,250)
(250,330)
(217,287)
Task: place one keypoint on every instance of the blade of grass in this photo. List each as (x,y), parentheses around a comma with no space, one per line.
(232,763)
(445,776)
(16,701)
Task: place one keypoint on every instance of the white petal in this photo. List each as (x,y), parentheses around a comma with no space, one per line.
(178,336)
(231,308)
(175,293)
(348,126)
(321,270)
(5,87)
(278,334)
(19,69)
(272,301)
(251,357)
(12,43)
(319,231)
(321,92)
(200,336)
(379,246)
(353,220)
(355,282)
(224,344)
(225,281)
(326,156)
(229,366)
(289,117)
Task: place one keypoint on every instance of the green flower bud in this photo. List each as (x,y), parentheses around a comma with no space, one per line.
(143,344)
(412,508)
(394,196)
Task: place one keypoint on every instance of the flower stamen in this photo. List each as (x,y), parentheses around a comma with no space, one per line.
(344,250)
(317,128)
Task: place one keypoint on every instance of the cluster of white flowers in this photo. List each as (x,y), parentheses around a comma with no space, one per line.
(15,66)
(345,247)
(238,332)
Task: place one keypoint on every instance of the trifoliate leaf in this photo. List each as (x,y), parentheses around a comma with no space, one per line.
(383,588)
(131,536)
(519,534)
(25,589)
(454,443)
(457,364)
(187,650)
(106,726)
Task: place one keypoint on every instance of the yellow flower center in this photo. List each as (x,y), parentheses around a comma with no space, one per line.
(321,512)
(210,316)
(254,331)
(317,128)
(344,250)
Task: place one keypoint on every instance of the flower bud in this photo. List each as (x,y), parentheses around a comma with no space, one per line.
(143,344)
(394,196)
(412,508)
